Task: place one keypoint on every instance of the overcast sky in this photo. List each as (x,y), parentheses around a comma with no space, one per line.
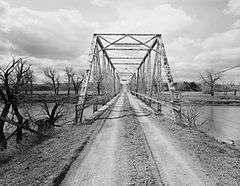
(199,34)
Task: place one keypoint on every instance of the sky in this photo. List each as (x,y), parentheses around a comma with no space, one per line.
(199,35)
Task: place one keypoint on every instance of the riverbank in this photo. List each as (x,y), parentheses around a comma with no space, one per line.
(218,160)
(206,99)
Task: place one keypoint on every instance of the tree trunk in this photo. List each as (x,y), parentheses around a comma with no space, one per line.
(5,111)
(31,88)
(235,92)
(212,91)
(98,88)
(20,123)
(75,89)
(68,90)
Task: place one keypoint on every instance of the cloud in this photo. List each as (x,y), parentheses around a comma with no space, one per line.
(100,3)
(228,39)
(220,50)
(233,7)
(161,18)
(183,47)
(236,24)
(62,34)
(219,59)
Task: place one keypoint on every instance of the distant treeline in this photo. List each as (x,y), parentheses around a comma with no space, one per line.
(188,86)
(196,86)
(48,87)
(180,86)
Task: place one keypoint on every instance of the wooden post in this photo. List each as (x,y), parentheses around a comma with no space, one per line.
(95,106)
(159,107)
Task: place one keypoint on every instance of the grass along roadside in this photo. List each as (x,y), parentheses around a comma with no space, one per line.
(47,162)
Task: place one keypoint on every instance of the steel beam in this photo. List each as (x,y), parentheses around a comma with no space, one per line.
(125,72)
(121,34)
(104,39)
(125,57)
(126,63)
(135,49)
(148,52)
(146,44)
(99,42)
(114,42)
(128,44)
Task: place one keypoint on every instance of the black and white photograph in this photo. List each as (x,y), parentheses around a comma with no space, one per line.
(119,92)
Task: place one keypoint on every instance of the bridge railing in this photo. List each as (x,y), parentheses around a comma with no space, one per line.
(92,104)
(175,107)
(101,80)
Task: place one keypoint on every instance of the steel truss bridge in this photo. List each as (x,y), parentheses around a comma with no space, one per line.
(137,59)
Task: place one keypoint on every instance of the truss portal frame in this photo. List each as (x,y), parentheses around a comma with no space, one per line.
(126,57)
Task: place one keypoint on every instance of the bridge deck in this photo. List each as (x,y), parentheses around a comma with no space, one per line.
(132,148)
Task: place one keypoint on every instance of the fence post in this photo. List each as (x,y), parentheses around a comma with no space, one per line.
(76,114)
(159,107)
(95,106)
(178,114)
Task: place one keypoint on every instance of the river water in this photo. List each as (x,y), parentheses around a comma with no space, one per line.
(223,121)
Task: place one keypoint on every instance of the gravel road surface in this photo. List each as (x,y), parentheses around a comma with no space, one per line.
(133,149)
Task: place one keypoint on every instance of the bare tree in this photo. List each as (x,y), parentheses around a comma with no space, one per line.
(51,116)
(54,78)
(77,82)
(29,79)
(210,80)
(191,115)
(226,88)
(12,83)
(233,88)
(69,73)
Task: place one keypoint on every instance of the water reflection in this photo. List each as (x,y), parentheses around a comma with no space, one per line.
(223,121)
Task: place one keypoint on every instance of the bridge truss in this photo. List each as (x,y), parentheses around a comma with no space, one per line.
(137,59)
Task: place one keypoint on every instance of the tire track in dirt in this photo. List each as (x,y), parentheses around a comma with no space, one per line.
(119,154)
(175,167)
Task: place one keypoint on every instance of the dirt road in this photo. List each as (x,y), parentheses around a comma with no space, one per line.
(132,148)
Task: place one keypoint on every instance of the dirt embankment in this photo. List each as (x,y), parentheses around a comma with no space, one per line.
(39,165)
(46,162)
(216,160)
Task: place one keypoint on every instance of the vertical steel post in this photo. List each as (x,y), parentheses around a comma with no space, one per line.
(167,69)
(143,78)
(104,73)
(114,82)
(159,76)
(83,91)
(137,80)
(154,71)
(149,72)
